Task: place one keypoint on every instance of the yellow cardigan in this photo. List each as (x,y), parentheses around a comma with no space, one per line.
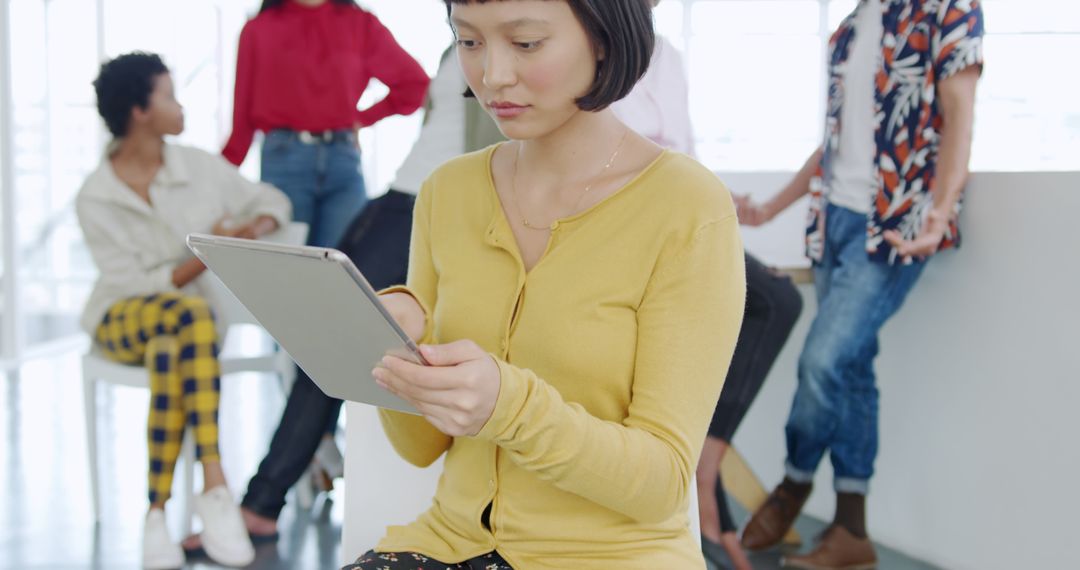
(612,351)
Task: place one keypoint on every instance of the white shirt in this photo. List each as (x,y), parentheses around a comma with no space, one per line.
(853,173)
(136,245)
(658,107)
(442,136)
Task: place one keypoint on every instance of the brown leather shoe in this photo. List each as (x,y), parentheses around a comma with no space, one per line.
(773,520)
(838,550)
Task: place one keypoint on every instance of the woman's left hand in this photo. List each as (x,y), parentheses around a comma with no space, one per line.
(457,393)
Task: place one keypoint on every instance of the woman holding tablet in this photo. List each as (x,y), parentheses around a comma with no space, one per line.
(577,292)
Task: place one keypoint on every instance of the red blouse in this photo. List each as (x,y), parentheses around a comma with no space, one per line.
(305,68)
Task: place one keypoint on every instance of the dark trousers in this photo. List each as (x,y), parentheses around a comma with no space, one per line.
(413,561)
(377,241)
(773,305)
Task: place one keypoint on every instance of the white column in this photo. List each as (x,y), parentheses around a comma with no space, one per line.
(99,22)
(10,341)
(825,33)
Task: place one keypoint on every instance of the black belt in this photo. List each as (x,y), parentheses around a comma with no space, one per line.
(316,137)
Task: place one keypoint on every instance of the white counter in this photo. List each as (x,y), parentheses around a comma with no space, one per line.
(980,381)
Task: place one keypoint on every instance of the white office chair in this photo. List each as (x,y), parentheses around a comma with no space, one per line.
(228,311)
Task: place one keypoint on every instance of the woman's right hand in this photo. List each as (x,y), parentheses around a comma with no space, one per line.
(407,313)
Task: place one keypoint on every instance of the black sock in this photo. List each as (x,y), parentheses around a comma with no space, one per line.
(851,513)
(798,490)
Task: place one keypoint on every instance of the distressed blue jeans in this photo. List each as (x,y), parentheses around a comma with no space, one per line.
(836,402)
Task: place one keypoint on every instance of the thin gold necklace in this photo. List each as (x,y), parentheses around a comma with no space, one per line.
(517,199)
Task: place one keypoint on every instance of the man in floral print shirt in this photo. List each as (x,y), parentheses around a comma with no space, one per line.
(885,189)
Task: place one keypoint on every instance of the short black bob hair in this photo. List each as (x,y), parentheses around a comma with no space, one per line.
(124,83)
(621,30)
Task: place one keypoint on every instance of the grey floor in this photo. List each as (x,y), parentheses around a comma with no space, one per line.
(45,506)
(888,559)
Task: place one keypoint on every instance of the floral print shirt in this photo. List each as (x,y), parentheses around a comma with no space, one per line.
(924,41)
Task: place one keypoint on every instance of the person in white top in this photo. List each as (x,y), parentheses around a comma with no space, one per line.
(442,135)
(658,107)
(136,210)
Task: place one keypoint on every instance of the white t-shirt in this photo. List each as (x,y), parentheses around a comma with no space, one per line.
(442,137)
(853,171)
(658,106)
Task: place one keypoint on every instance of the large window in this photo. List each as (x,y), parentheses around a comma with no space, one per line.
(58,138)
(758,112)
(756,71)
(1028,112)
(757,67)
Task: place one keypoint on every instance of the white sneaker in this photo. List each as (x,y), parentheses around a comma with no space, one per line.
(328,456)
(159,552)
(224,535)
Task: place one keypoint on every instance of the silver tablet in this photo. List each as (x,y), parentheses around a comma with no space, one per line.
(318,307)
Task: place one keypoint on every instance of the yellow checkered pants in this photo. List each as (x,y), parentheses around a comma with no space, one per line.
(174,336)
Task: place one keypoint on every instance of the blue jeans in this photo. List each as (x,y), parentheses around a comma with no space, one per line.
(323,180)
(836,402)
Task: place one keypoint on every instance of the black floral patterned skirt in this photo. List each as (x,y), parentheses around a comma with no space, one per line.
(412,561)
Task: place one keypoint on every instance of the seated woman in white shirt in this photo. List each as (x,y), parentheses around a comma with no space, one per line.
(135,211)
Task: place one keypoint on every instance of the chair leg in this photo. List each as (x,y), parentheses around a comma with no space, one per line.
(90,413)
(305,495)
(187,454)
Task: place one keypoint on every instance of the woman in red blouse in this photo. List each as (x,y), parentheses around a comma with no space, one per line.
(301,68)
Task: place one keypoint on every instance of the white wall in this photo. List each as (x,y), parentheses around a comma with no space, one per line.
(978,459)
